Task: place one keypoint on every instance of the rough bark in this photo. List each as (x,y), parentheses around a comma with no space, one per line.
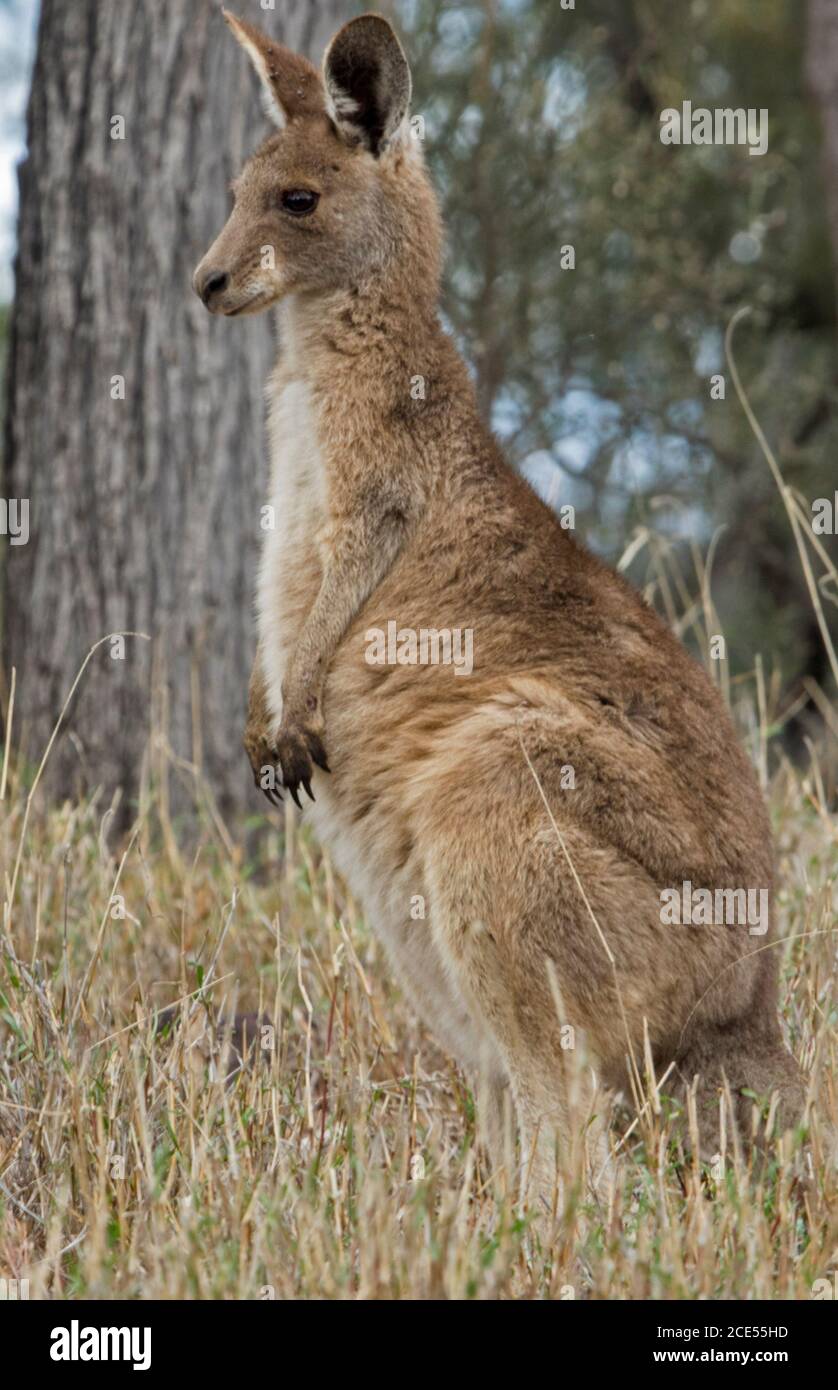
(144,511)
(822,73)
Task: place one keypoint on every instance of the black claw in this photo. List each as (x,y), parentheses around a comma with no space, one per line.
(317,752)
(296,753)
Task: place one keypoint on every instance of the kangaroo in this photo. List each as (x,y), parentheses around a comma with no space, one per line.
(538,809)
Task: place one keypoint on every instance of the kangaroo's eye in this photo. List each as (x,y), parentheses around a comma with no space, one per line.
(299,201)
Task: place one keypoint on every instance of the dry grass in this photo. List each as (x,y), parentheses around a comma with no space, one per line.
(342,1162)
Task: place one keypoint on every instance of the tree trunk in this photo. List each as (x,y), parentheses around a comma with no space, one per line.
(822,73)
(144,503)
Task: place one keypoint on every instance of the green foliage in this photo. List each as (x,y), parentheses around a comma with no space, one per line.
(543,131)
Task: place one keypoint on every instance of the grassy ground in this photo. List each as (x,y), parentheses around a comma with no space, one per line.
(342,1161)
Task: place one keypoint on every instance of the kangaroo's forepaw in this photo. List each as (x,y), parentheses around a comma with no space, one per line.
(299,749)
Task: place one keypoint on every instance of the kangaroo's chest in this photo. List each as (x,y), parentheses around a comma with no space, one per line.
(290,572)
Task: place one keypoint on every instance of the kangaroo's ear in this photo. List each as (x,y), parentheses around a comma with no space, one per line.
(291,85)
(367,82)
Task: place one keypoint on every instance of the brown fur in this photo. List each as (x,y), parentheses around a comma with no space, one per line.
(440,785)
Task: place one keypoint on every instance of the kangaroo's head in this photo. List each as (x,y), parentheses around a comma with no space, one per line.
(338,196)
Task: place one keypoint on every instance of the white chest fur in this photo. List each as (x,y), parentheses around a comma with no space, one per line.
(298,503)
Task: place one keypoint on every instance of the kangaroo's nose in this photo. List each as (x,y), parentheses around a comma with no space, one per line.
(214,281)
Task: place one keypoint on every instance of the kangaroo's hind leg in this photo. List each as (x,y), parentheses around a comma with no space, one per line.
(540,979)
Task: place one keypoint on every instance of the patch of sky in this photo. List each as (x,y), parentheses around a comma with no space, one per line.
(18,19)
(565,95)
